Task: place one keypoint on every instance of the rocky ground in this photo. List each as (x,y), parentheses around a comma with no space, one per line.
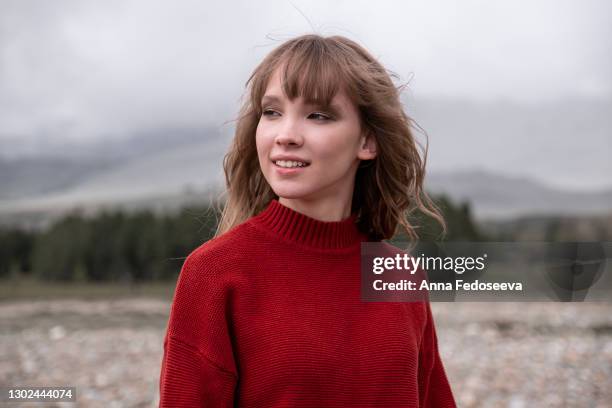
(495,354)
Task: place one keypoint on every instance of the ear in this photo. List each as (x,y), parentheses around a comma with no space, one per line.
(367,149)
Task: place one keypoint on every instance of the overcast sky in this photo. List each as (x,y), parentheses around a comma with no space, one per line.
(90,69)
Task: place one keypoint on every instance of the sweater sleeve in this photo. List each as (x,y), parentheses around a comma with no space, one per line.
(189,380)
(434,388)
(198,368)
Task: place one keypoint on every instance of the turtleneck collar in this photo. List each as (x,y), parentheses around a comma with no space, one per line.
(294,226)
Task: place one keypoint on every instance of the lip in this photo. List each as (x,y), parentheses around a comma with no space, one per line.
(289,158)
(285,170)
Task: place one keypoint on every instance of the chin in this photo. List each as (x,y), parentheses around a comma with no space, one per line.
(291,194)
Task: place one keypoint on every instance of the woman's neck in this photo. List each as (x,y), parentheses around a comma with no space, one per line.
(330,209)
(291,225)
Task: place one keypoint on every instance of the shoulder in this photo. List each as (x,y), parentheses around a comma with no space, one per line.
(220,246)
(220,255)
(209,272)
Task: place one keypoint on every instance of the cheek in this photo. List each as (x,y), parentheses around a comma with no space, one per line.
(260,141)
(339,147)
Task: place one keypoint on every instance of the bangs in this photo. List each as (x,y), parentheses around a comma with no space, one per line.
(311,70)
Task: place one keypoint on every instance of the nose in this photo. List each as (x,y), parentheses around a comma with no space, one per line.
(289,133)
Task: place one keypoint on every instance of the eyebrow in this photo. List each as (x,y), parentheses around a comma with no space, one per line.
(335,108)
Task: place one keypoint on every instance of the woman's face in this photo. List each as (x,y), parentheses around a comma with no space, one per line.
(329,145)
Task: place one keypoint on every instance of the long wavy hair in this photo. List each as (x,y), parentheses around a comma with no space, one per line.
(388,188)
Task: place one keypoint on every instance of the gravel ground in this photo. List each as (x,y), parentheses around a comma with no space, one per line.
(496,354)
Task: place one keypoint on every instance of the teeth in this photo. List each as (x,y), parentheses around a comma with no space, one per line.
(289,164)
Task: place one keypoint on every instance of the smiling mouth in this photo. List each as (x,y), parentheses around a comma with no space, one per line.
(289,164)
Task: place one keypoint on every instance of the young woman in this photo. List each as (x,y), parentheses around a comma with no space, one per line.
(268,313)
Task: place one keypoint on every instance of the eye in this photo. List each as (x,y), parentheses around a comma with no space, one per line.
(320,116)
(268,112)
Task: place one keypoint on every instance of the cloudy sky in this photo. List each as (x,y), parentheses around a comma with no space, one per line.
(83,70)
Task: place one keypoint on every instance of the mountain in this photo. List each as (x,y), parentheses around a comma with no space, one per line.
(159,171)
(175,175)
(30,177)
(47,166)
(192,168)
(566,143)
(499,196)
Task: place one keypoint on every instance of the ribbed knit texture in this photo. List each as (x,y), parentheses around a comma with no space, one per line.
(269,315)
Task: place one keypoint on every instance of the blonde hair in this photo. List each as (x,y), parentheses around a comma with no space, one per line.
(388,188)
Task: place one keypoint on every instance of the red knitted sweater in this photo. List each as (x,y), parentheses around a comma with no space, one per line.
(269,315)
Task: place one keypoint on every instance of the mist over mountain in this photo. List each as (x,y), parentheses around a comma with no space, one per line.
(109,148)
(564,144)
(28,170)
(506,159)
